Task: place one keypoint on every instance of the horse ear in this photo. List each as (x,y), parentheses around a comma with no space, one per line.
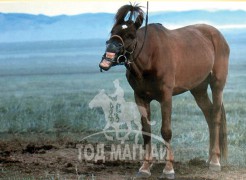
(139,20)
(127,13)
(122,13)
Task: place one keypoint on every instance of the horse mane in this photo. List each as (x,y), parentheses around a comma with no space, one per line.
(134,12)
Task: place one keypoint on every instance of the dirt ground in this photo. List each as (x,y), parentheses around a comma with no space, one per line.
(20,160)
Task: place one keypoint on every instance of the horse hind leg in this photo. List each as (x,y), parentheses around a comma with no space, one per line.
(217,83)
(218,120)
(202,99)
(215,116)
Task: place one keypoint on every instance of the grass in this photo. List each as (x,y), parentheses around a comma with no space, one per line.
(58,102)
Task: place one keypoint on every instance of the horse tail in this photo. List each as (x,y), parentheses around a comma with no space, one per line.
(223,135)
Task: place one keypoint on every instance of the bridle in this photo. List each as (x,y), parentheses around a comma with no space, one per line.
(124,57)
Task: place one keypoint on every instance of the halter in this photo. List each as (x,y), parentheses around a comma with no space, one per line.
(123,52)
(126,54)
(120,38)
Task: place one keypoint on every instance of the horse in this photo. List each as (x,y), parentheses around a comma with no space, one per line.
(161,63)
(115,116)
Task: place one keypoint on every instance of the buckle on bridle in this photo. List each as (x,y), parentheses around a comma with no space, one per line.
(121,62)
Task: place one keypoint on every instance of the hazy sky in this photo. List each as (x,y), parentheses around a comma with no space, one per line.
(73,7)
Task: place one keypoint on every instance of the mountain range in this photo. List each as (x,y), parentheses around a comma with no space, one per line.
(16,27)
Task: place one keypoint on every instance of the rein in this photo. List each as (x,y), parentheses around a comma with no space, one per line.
(145,32)
(129,62)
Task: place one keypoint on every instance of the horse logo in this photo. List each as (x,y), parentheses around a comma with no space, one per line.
(118,113)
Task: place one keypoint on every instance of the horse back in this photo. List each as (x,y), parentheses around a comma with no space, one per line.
(184,57)
(215,36)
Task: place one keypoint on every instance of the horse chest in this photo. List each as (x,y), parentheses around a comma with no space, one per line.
(147,87)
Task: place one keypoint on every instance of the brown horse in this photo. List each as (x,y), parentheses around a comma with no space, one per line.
(162,63)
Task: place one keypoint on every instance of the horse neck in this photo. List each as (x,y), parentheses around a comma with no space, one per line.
(107,106)
(137,65)
(139,59)
(135,69)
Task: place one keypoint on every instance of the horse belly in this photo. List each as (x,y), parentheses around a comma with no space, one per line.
(193,70)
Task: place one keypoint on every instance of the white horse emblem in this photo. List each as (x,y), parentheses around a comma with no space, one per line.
(118,113)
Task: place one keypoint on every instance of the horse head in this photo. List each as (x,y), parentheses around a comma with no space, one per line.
(123,40)
(99,100)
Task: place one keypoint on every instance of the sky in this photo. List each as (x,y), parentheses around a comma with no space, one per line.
(73,7)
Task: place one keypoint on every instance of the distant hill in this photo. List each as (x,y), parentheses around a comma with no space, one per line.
(222,17)
(26,27)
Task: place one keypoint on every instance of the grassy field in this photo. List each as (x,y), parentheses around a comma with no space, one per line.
(50,97)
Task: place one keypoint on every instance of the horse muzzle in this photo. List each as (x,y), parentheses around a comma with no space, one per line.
(107,61)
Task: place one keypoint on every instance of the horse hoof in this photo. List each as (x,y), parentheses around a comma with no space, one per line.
(167,176)
(214,167)
(142,175)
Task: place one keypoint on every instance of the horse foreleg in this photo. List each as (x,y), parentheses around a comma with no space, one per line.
(166,132)
(136,120)
(144,109)
(138,124)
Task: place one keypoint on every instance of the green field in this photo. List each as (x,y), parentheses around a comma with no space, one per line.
(52,103)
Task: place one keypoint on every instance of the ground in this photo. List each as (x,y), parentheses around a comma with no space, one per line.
(59,160)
